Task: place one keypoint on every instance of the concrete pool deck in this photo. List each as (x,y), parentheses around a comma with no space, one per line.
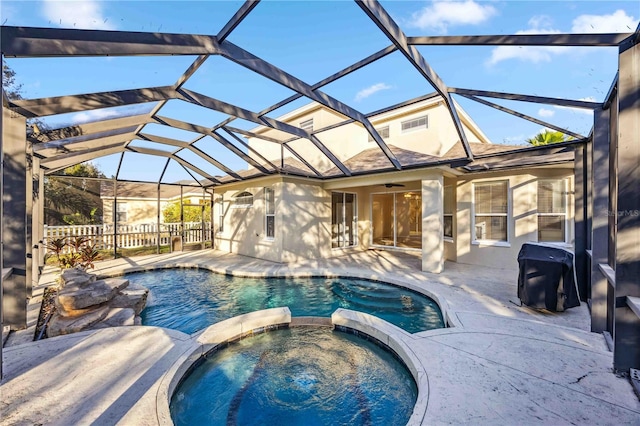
(501,363)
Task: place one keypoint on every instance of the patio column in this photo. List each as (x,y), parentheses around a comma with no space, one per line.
(599,230)
(14,200)
(626,352)
(29,238)
(41,221)
(36,213)
(432,224)
(580,222)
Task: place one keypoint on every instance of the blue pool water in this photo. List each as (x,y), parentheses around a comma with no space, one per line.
(297,376)
(192,299)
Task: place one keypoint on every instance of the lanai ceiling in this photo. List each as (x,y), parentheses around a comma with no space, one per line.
(137,133)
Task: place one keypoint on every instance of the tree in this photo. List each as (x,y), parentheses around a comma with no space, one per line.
(66,201)
(547,137)
(73,201)
(12,89)
(171,213)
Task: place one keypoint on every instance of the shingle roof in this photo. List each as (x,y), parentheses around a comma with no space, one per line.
(144,190)
(374,158)
(457,151)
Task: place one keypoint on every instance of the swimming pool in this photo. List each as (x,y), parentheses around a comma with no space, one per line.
(297,376)
(189,300)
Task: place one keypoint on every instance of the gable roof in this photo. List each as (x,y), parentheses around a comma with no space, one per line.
(374,158)
(457,150)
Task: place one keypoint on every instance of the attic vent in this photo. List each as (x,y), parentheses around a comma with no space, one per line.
(307,125)
(414,124)
(383,132)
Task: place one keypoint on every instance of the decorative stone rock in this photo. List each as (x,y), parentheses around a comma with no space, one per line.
(116,317)
(85,303)
(59,325)
(74,297)
(60,310)
(128,298)
(76,277)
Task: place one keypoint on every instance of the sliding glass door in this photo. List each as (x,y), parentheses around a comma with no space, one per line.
(344,220)
(396,219)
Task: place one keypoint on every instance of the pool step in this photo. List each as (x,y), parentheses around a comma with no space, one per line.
(384,303)
(315,321)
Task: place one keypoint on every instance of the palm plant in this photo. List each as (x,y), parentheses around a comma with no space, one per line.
(78,242)
(56,247)
(547,137)
(88,255)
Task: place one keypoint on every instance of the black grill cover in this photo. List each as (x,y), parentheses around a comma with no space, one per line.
(547,278)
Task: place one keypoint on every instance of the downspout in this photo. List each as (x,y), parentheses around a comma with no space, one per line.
(115,218)
(181,217)
(158,223)
(203,234)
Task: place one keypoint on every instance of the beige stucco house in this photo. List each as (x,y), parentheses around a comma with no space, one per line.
(138,203)
(479,213)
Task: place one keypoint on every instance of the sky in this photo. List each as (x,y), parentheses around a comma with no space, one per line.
(314,39)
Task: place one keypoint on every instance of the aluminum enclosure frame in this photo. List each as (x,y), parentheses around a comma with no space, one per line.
(58,148)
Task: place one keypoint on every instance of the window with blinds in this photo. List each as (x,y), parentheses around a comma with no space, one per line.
(121,212)
(220,204)
(269,213)
(449,202)
(552,210)
(490,203)
(243,199)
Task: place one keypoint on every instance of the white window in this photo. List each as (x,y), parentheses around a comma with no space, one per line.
(121,212)
(552,210)
(491,206)
(449,202)
(220,203)
(269,213)
(383,132)
(414,124)
(307,125)
(344,220)
(243,200)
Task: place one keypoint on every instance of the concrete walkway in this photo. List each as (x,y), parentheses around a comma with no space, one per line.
(499,364)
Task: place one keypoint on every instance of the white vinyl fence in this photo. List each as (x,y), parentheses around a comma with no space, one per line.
(131,236)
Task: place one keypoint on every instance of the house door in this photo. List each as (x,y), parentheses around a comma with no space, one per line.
(396,219)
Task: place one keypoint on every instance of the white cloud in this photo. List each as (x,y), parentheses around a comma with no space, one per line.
(368,91)
(617,22)
(538,25)
(542,112)
(94,115)
(442,14)
(76,14)
(580,110)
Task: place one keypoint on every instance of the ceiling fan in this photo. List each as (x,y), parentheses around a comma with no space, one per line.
(391,185)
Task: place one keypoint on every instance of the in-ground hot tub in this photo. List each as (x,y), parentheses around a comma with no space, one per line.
(299,375)
(296,375)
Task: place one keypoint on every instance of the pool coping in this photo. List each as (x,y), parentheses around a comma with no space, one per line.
(221,333)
